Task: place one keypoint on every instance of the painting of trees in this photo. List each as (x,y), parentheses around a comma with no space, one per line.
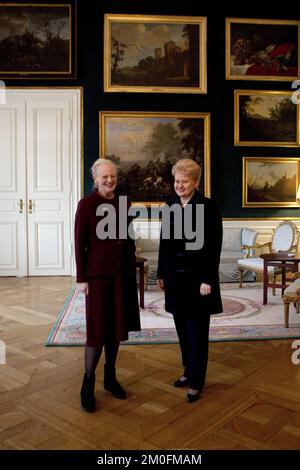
(162,54)
(38,40)
(267,118)
(145,146)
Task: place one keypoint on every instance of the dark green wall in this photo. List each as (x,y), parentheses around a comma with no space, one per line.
(226,160)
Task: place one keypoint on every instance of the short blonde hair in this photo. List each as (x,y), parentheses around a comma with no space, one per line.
(101,162)
(189,167)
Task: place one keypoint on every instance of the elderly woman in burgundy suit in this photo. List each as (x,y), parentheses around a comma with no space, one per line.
(106,275)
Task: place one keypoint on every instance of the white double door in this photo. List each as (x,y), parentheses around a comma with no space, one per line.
(39,161)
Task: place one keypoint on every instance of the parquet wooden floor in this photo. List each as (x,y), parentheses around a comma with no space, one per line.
(251,400)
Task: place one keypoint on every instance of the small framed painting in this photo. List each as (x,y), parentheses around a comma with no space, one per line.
(260,49)
(265,119)
(270,182)
(38,40)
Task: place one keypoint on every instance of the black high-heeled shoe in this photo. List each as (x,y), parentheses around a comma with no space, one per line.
(192,397)
(181,383)
(88,401)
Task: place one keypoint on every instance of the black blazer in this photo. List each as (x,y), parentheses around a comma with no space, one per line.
(202,265)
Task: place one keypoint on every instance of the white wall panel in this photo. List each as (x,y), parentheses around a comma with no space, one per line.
(8,246)
(49,246)
(8,149)
(47,148)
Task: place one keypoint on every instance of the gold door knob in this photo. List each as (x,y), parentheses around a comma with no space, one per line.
(21,206)
(30,206)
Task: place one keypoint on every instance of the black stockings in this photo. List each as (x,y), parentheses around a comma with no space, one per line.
(93,354)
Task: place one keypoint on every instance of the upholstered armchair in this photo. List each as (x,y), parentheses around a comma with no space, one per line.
(234,241)
(284,238)
(291,294)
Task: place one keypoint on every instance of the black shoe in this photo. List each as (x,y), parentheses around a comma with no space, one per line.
(181,383)
(193,397)
(112,385)
(88,401)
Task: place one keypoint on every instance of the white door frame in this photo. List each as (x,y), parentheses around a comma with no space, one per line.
(76,136)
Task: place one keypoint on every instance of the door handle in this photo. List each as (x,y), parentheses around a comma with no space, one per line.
(30,206)
(21,206)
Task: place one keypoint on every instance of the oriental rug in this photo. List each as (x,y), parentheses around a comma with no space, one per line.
(244,318)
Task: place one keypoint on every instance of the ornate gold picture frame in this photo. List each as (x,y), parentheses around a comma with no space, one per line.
(145,145)
(39,40)
(270,182)
(154,54)
(266,119)
(261,49)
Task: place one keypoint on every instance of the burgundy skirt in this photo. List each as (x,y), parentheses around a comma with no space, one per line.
(112,309)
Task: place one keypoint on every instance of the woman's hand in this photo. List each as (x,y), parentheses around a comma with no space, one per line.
(160,283)
(205,289)
(83,287)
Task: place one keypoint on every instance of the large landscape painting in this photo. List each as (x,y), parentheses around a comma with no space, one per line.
(146,145)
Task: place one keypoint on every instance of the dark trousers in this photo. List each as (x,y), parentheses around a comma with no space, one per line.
(193,336)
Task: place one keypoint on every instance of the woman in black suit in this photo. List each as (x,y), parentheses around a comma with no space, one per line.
(190,277)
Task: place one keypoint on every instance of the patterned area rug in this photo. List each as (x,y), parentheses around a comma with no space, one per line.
(244,318)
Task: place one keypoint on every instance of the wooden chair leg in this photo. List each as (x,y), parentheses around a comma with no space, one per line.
(273,288)
(146,280)
(241,277)
(286,313)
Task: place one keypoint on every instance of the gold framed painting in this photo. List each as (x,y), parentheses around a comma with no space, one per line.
(145,145)
(261,49)
(266,119)
(270,182)
(38,40)
(154,54)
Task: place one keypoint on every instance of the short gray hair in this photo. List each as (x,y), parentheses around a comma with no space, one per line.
(100,162)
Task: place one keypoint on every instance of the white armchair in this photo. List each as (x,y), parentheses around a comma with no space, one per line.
(232,249)
(285,238)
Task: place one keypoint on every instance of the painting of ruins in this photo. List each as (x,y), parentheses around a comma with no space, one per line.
(161,54)
(38,40)
(259,49)
(145,146)
(265,118)
(270,182)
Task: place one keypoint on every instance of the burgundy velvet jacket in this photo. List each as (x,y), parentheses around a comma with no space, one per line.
(96,257)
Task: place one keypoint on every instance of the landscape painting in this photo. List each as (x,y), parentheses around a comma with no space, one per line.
(270,182)
(260,49)
(145,146)
(37,40)
(161,54)
(266,118)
